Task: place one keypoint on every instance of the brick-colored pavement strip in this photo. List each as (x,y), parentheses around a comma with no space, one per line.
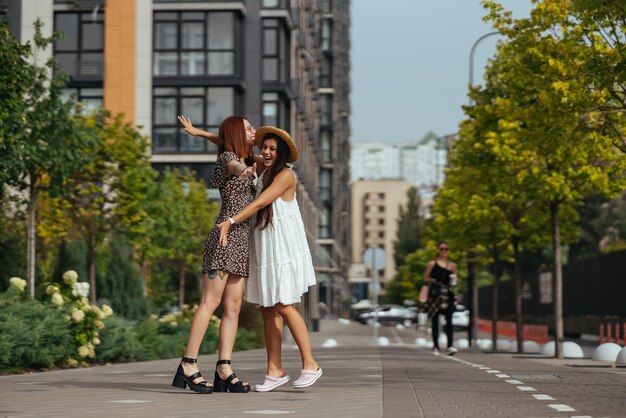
(360,380)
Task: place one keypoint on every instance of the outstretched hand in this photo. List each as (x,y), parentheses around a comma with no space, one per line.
(248,171)
(189,128)
(224,228)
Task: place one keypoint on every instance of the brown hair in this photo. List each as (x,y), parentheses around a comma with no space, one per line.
(264,216)
(232,135)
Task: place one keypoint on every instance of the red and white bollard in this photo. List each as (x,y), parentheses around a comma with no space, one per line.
(617,333)
(601,332)
(609,337)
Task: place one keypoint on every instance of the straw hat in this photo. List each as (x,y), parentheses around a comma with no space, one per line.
(264,130)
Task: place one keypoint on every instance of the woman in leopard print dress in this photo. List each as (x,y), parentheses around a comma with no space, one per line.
(224,268)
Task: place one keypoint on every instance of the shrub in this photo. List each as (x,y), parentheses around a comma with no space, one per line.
(33,335)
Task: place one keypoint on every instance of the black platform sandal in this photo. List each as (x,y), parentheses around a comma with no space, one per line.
(182,381)
(226,385)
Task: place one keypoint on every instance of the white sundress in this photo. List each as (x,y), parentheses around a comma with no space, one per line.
(283,268)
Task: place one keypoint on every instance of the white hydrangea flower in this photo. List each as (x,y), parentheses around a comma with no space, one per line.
(106,310)
(98,323)
(80,289)
(57,299)
(95,341)
(83,351)
(52,289)
(77,315)
(19,284)
(70,277)
(98,311)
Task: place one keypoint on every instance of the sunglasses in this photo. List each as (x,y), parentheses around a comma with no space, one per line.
(444,249)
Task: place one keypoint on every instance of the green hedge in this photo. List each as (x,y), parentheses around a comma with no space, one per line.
(33,335)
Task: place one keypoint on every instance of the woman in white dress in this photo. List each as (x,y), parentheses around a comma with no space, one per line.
(284,269)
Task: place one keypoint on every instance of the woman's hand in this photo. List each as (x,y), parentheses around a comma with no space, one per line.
(224,228)
(248,171)
(189,128)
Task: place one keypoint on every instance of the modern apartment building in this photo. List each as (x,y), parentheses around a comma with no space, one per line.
(278,62)
(421,162)
(375,210)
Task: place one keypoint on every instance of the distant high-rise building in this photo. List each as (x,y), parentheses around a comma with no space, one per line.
(277,62)
(421,163)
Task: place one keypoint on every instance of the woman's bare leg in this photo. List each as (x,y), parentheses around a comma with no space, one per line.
(273,331)
(298,329)
(212,292)
(233,298)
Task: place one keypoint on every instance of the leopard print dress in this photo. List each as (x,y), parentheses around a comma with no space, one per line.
(236,194)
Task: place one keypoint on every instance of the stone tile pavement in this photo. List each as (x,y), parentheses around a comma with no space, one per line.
(360,380)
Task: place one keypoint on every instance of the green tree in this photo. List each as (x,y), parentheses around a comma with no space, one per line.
(109,191)
(564,151)
(410,224)
(50,144)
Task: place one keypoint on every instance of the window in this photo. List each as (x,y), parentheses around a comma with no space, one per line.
(325,184)
(203,171)
(324,225)
(325,146)
(205,106)
(325,35)
(195,43)
(271,4)
(381,222)
(325,6)
(274,43)
(326,71)
(79,51)
(381,208)
(272,109)
(381,234)
(325,109)
(90,98)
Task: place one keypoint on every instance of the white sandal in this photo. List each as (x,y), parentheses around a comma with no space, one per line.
(307,378)
(270,383)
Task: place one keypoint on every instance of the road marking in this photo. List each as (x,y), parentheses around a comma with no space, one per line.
(514,382)
(128,401)
(561,407)
(493,371)
(269,412)
(526,388)
(542,397)
(502,375)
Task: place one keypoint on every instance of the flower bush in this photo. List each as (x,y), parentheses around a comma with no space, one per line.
(85,320)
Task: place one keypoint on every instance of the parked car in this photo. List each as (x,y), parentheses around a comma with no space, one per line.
(391,315)
(460,317)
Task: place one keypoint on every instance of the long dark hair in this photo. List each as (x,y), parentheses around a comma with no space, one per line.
(232,134)
(264,216)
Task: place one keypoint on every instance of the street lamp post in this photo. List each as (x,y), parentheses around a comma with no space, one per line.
(471,58)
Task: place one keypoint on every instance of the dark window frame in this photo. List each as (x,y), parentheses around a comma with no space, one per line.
(83,18)
(180,18)
(180,135)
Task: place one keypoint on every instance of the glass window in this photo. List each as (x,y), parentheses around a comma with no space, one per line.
(271,4)
(324,223)
(325,145)
(79,51)
(325,109)
(326,71)
(167,135)
(194,43)
(274,42)
(325,38)
(325,184)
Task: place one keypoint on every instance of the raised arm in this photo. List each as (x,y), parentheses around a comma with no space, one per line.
(192,130)
(283,182)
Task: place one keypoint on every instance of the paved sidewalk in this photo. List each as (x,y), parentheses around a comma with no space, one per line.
(360,380)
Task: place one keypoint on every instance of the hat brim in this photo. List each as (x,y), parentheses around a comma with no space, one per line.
(284,135)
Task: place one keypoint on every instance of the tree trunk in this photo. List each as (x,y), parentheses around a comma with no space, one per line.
(30,235)
(494,308)
(519,315)
(91,266)
(181,288)
(558,280)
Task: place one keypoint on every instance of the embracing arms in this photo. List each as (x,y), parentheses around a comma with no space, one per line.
(283,182)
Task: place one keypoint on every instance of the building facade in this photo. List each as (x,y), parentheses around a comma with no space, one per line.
(375,210)
(422,163)
(278,62)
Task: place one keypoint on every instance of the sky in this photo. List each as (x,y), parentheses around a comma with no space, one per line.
(410,64)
